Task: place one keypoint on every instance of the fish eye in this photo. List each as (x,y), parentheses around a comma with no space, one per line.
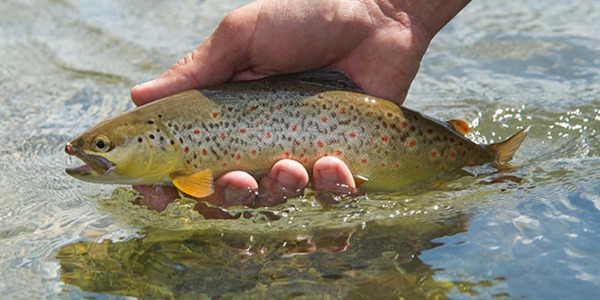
(101,143)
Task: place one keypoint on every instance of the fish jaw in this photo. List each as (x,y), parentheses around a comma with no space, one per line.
(94,165)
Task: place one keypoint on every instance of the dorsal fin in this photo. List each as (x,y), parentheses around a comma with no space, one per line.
(330,79)
(459,126)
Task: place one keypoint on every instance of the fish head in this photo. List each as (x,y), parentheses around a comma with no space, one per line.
(124,150)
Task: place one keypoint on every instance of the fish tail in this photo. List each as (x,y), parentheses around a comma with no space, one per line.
(505,150)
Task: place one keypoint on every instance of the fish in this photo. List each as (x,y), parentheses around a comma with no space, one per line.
(189,138)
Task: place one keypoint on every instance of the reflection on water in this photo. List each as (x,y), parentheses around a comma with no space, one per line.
(532,231)
(377,261)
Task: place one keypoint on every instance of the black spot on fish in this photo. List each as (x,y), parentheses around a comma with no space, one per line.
(151,136)
(172,142)
(150,122)
(413,128)
(159,116)
(157,130)
(140,140)
(181,141)
(162,139)
(452,140)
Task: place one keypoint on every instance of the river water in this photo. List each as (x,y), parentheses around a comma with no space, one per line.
(532,232)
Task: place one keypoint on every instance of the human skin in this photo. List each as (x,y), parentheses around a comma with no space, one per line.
(379,44)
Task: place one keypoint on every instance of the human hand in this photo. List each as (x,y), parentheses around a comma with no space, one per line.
(379,44)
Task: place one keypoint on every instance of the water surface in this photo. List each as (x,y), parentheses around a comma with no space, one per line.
(527,233)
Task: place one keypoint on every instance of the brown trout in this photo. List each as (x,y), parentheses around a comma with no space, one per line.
(190,138)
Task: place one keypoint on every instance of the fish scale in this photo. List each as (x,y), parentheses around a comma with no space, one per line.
(251,125)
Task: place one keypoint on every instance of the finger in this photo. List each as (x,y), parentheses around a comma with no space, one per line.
(287,179)
(332,175)
(213,62)
(232,189)
(155,197)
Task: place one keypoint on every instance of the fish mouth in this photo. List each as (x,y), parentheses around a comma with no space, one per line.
(93,164)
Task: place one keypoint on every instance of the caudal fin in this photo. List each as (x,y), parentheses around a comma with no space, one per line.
(506,149)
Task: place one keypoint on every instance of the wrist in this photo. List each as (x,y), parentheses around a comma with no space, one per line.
(423,17)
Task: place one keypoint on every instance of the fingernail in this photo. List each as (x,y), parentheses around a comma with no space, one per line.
(287,180)
(328,175)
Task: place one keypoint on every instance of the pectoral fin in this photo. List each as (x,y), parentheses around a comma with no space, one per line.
(459,126)
(197,185)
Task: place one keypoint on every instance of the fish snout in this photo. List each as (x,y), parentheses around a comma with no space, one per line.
(69,149)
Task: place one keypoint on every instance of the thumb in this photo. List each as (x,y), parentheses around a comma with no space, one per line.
(212,62)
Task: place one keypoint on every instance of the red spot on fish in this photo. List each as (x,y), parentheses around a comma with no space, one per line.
(397,165)
(305,161)
(224,164)
(204,152)
(196,131)
(320,144)
(369,113)
(268,134)
(324,119)
(253,151)
(382,165)
(433,154)
(223,136)
(403,124)
(364,160)
(287,155)
(294,127)
(342,110)
(384,138)
(337,153)
(352,134)
(187,149)
(278,107)
(412,143)
(243,130)
(238,156)
(452,154)
(215,115)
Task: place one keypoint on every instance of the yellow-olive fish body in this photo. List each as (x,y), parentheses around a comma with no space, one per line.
(189,138)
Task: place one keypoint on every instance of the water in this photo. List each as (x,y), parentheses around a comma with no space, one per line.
(527,233)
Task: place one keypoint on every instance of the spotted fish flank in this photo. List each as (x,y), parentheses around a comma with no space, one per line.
(190,138)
